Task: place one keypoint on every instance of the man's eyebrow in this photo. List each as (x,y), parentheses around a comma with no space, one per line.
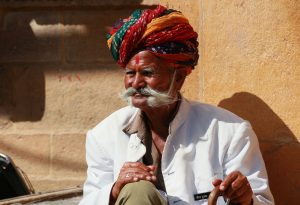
(147,68)
(127,69)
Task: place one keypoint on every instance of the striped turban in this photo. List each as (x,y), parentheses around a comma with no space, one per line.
(164,32)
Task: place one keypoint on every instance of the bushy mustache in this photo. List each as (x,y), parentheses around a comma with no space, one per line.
(155,98)
(132,91)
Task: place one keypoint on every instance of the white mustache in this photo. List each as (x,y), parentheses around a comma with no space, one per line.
(143,91)
(155,98)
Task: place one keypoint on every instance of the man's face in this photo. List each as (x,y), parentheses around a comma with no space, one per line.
(146,70)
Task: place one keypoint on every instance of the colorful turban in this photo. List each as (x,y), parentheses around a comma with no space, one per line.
(164,32)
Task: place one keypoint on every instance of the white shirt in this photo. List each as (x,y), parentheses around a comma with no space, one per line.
(204,142)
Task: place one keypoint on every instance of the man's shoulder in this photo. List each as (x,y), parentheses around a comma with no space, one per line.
(208,111)
(210,117)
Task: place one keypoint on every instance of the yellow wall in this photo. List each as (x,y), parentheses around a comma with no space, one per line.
(249,64)
(55,70)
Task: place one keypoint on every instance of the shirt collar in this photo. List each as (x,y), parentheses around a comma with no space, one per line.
(138,125)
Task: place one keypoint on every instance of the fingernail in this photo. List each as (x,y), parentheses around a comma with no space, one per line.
(135,179)
(148,178)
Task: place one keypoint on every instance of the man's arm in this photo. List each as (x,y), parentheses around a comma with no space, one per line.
(246,178)
(100,180)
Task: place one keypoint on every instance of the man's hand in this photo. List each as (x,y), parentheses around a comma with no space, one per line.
(132,172)
(236,188)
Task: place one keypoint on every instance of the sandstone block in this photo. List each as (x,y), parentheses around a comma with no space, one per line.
(68,156)
(76,100)
(29,152)
(85,34)
(47,185)
(30,36)
(22,94)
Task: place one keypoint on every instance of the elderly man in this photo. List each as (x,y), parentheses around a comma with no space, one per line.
(164,149)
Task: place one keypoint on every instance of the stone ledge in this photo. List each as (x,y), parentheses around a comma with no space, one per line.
(46,185)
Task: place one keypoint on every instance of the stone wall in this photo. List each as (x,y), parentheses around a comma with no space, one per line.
(57,79)
(250,65)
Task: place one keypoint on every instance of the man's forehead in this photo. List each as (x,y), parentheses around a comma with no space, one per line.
(137,59)
(141,65)
(144,58)
(144,54)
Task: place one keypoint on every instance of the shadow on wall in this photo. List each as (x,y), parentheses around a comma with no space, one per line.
(278,144)
(22,93)
(31,40)
(35,41)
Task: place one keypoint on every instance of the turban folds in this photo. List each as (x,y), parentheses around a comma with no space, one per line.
(164,32)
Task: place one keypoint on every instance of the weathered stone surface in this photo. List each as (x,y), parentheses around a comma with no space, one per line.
(29,152)
(95,26)
(269,128)
(251,66)
(43,184)
(22,93)
(68,201)
(253,53)
(30,36)
(68,156)
(283,164)
(71,92)
(67,93)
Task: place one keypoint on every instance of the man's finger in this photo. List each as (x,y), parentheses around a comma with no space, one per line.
(216,182)
(244,190)
(240,181)
(228,180)
(242,197)
(136,165)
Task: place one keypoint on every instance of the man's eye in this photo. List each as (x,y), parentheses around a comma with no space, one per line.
(129,73)
(147,72)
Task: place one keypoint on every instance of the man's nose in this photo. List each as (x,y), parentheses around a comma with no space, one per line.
(138,82)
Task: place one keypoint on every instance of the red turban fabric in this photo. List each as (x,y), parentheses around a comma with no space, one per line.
(164,32)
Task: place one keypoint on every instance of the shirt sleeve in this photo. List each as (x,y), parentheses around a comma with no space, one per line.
(97,187)
(244,155)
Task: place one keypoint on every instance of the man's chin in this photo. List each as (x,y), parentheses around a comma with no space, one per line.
(139,102)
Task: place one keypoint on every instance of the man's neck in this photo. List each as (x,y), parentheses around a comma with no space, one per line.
(161,117)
